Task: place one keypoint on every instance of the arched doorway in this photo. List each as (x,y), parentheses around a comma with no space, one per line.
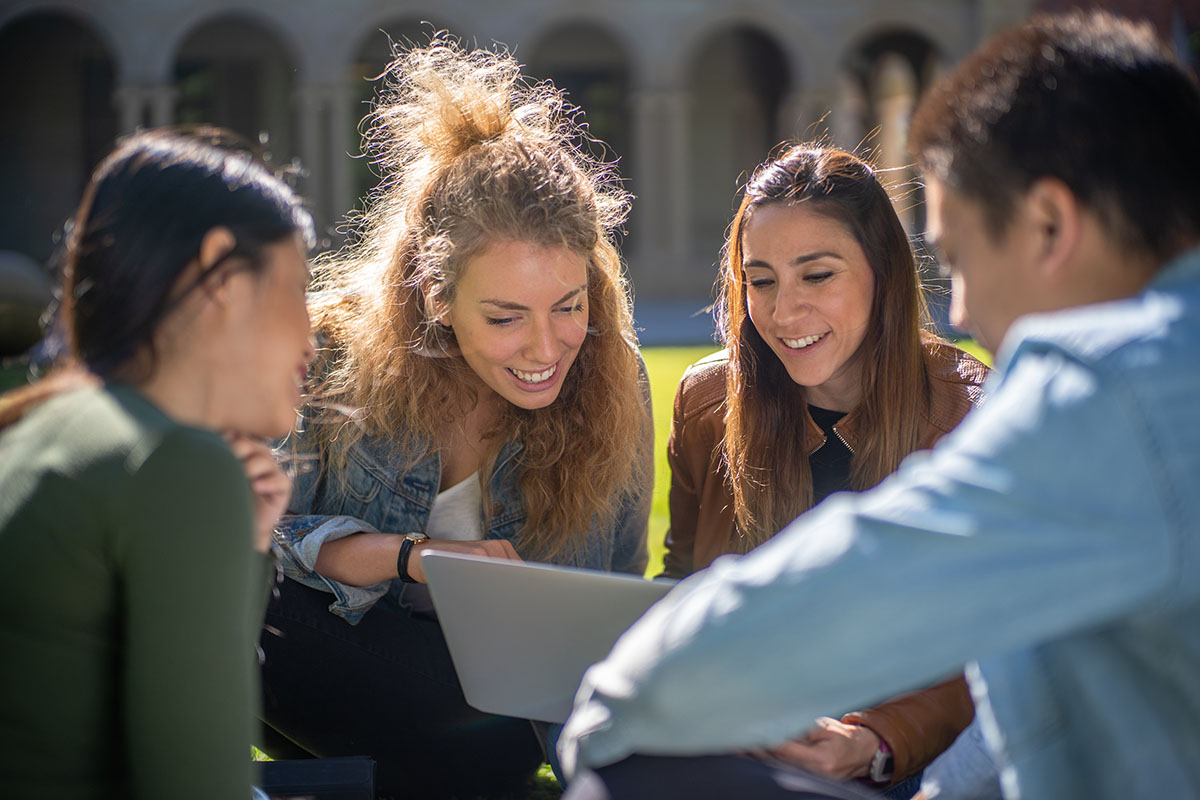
(374,53)
(234,72)
(739,80)
(889,72)
(59,121)
(592,67)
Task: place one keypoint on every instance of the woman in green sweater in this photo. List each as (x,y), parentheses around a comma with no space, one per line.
(137,494)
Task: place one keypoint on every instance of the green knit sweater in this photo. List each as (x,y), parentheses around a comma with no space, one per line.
(130,603)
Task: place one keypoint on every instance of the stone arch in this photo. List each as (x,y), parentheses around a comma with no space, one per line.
(592,66)
(890,69)
(738,86)
(372,53)
(237,71)
(59,122)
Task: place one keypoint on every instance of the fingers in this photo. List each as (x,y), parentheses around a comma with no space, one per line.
(269,484)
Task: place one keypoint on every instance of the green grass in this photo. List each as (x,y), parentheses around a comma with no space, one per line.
(665,366)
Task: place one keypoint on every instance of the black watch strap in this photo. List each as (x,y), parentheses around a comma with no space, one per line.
(406,548)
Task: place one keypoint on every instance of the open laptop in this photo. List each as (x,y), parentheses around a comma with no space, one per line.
(521,634)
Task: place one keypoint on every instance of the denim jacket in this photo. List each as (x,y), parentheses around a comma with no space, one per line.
(1050,543)
(376,493)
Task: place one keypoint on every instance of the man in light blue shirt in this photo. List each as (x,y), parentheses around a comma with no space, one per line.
(1051,544)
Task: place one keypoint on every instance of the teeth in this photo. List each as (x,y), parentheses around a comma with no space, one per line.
(803,342)
(534,377)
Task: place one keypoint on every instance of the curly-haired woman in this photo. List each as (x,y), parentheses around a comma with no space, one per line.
(479,391)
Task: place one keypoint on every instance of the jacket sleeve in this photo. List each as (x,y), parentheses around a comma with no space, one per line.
(684,497)
(301,533)
(919,725)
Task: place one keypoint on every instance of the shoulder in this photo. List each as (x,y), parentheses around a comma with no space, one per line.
(1121,336)
(702,387)
(956,380)
(952,366)
(107,429)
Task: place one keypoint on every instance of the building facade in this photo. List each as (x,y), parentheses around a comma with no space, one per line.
(688,94)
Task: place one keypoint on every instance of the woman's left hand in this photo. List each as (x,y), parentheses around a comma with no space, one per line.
(269,484)
(833,749)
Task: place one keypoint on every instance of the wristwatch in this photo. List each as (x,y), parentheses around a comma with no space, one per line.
(883,764)
(406,547)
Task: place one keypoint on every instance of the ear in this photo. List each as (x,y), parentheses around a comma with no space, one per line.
(215,245)
(1054,220)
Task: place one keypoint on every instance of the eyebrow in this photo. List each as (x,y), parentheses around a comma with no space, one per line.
(509,306)
(798,260)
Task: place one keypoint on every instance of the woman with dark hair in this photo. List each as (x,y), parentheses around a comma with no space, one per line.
(138,497)
(828,380)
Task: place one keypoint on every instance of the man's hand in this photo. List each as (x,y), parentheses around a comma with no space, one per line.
(269,484)
(492,548)
(833,749)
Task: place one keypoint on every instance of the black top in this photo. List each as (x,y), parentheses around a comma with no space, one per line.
(830,463)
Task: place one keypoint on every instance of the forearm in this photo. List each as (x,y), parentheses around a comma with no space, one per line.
(360,559)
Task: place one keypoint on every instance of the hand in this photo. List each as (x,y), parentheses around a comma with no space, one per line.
(269,484)
(833,749)
(492,548)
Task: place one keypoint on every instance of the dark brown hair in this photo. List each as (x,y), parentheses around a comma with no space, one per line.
(1088,98)
(139,226)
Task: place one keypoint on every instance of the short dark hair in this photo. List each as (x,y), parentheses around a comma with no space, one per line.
(1091,99)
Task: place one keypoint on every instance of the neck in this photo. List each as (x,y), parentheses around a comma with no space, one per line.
(185,395)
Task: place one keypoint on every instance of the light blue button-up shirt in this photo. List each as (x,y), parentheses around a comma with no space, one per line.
(1051,543)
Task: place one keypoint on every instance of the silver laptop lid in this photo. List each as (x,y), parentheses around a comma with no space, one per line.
(522,634)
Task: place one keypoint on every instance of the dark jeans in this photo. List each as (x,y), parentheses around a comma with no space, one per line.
(384,688)
(704,778)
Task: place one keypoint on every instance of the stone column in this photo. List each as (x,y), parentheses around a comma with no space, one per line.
(162,98)
(849,112)
(341,148)
(660,127)
(310,116)
(131,108)
(676,180)
(896,95)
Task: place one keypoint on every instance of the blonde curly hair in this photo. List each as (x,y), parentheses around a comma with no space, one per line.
(472,154)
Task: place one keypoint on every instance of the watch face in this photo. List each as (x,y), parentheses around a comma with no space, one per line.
(416,537)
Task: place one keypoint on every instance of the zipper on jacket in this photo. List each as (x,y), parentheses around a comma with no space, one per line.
(843,440)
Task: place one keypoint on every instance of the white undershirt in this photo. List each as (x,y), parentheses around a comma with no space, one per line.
(456,512)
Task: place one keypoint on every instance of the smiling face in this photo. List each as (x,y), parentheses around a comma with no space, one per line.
(520,316)
(809,292)
(270,339)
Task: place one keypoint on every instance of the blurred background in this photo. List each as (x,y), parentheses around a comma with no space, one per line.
(688,95)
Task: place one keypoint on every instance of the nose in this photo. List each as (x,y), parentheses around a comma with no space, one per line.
(791,304)
(310,348)
(541,347)
(958,305)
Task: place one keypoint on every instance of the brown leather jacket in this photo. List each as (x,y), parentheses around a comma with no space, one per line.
(917,726)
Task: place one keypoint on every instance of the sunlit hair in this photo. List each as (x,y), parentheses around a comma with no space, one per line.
(471,155)
(765,417)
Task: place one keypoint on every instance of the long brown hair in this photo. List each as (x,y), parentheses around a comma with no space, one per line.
(765,414)
(472,154)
